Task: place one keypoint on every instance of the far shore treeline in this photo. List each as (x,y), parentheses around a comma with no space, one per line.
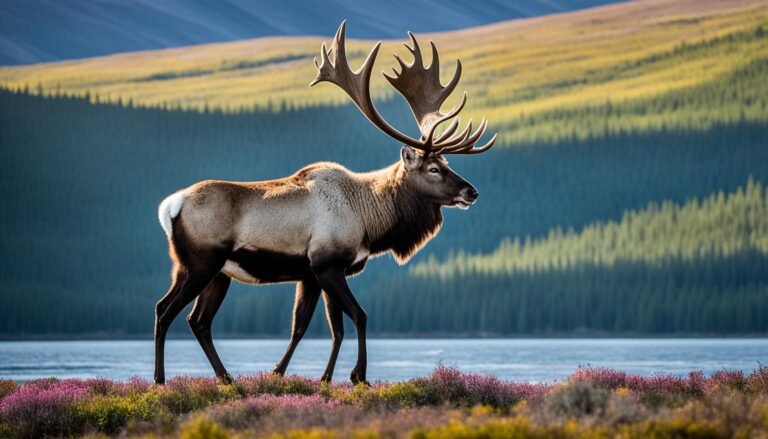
(83,253)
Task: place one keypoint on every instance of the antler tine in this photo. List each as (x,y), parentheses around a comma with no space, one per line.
(457,139)
(356,83)
(448,131)
(471,140)
(416,51)
(467,145)
(422,89)
(435,119)
(479,149)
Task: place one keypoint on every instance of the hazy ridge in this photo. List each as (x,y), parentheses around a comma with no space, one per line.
(34,31)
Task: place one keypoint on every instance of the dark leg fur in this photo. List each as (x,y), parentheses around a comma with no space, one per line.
(307,294)
(201,319)
(186,286)
(333,280)
(334,313)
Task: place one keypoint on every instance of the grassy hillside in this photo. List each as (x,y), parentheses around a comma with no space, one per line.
(625,67)
(718,226)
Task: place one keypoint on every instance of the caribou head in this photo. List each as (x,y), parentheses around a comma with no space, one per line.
(423,158)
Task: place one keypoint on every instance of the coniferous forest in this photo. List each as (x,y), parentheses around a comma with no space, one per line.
(596,235)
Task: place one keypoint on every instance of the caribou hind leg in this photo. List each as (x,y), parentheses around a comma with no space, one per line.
(187,284)
(201,317)
(334,313)
(307,294)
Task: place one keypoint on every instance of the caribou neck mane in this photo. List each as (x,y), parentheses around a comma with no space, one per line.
(397,217)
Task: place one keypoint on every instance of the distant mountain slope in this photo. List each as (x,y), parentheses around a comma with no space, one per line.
(620,68)
(46,30)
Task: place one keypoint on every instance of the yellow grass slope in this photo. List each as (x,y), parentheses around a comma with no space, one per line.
(516,69)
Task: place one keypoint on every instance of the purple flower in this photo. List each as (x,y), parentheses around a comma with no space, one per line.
(452,386)
(43,407)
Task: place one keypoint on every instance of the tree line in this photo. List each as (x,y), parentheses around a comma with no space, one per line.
(83,253)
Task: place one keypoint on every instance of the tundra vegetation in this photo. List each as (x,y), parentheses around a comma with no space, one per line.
(592,402)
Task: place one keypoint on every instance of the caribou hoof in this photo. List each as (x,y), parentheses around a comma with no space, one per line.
(357,378)
(225,379)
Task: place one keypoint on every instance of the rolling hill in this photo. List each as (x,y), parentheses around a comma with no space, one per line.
(619,68)
(34,31)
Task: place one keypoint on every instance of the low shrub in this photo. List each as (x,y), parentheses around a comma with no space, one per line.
(110,413)
(6,387)
(655,389)
(273,384)
(202,427)
(592,402)
(186,394)
(246,412)
(43,408)
(578,399)
(757,382)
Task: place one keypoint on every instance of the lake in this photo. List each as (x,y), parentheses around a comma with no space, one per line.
(531,360)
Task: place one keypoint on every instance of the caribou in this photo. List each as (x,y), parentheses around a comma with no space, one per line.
(323,223)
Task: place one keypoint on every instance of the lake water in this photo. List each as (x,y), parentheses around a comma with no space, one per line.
(389,359)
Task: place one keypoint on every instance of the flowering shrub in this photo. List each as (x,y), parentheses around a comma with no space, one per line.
(273,384)
(246,412)
(451,386)
(728,380)
(43,407)
(186,394)
(757,382)
(447,403)
(654,389)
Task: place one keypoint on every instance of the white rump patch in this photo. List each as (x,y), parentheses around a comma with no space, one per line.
(169,209)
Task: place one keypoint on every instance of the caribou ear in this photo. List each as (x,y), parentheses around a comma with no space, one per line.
(411,159)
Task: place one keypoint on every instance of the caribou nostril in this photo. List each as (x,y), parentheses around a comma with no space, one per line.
(471,193)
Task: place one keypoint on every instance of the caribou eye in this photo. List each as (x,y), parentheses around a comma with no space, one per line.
(434,170)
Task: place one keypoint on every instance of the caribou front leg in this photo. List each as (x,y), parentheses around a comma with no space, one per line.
(307,294)
(334,313)
(334,282)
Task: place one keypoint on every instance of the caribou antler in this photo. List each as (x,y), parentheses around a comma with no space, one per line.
(355,84)
(425,94)
(421,88)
